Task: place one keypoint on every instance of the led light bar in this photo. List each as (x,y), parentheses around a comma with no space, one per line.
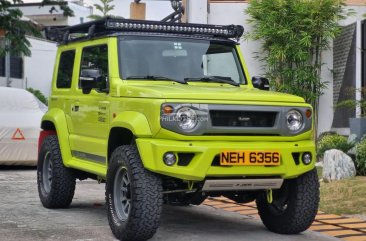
(110,25)
(229,31)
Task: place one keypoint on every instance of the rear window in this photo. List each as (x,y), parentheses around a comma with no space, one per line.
(65,69)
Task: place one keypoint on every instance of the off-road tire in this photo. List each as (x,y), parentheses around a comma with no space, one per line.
(62,187)
(146,198)
(302,205)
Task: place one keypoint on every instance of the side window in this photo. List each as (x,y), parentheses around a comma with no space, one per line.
(94,63)
(65,69)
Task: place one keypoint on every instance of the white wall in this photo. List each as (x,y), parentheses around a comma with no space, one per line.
(358,12)
(326,109)
(233,13)
(80,14)
(56,18)
(155,10)
(197,11)
(38,68)
(36,10)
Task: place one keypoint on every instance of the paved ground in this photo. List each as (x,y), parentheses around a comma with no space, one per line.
(23,218)
(347,228)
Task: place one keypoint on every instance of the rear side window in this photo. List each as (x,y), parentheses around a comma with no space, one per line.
(65,69)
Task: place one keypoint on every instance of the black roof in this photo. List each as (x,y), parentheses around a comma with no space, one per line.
(109,25)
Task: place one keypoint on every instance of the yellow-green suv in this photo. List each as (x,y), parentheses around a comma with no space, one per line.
(166,113)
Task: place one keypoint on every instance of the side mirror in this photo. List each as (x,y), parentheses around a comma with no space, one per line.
(260,83)
(90,79)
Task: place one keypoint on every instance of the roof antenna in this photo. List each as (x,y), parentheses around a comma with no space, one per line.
(91,31)
(177,15)
(65,36)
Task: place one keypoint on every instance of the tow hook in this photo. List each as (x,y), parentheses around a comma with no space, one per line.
(269,196)
(190,185)
(99,179)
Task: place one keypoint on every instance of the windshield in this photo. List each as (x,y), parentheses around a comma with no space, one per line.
(179,59)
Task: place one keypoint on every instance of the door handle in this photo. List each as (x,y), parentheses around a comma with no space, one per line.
(75,108)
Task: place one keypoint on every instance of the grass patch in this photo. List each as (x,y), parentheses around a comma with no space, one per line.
(319,171)
(344,197)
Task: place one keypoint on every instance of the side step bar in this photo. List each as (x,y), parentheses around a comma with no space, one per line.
(242,184)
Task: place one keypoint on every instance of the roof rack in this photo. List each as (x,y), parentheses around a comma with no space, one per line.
(111,25)
(177,15)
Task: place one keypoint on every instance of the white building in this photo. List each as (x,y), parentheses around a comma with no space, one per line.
(52,14)
(36,70)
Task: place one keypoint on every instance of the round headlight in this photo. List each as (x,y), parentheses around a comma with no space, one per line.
(294,120)
(187,118)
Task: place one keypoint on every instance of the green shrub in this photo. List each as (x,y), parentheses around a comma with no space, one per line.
(326,133)
(333,141)
(361,157)
(39,95)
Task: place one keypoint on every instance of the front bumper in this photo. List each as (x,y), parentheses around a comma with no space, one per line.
(201,165)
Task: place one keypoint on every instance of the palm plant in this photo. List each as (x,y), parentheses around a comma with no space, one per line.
(105,8)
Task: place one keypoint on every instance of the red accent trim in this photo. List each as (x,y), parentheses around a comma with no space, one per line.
(42,135)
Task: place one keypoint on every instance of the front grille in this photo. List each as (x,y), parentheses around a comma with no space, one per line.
(225,118)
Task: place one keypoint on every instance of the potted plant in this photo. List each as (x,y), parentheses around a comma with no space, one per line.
(358,123)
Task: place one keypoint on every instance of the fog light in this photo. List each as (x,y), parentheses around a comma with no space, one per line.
(306,158)
(169,158)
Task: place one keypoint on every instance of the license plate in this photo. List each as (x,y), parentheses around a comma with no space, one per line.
(250,158)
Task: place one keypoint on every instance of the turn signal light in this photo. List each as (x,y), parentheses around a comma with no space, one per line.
(168,109)
(308,113)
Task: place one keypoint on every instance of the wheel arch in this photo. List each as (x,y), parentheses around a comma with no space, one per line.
(125,127)
(54,121)
(119,136)
(48,125)
(134,121)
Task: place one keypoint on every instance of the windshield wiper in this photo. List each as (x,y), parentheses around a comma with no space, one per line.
(216,79)
(155,77)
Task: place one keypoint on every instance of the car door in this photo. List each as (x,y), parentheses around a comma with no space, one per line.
(90,109)
(62,90)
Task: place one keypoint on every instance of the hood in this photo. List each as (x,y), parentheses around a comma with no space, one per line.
(203,91)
